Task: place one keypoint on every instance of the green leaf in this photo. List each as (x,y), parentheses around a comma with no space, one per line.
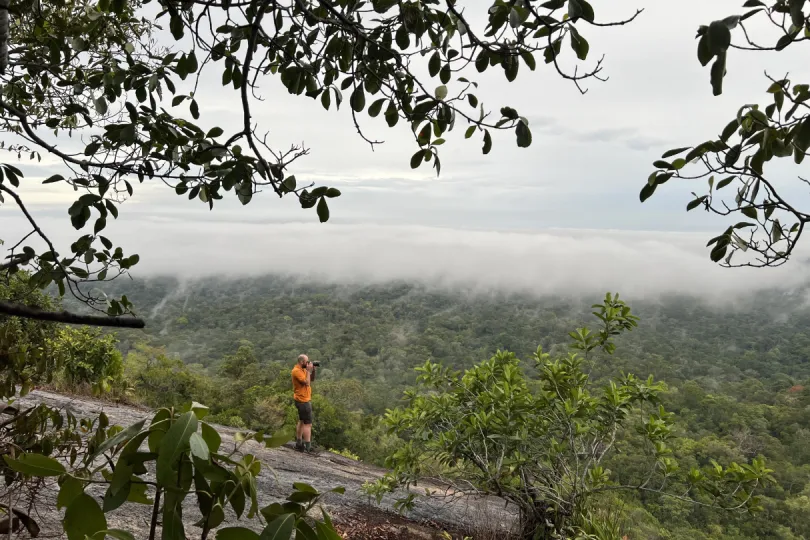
(376,107)
(301,486)
(326,101)
(528,58)
(323,210)
(120,437)
(801,138)
(719,252)
(417,159)
(674,152)
(487,142)
(35,465)
(302,497)
(118,534)
(647,191)
(579,44)
(304,532)
(191,62)
(719,37)
(290,183)
(511,65)
(784,41)
(694,204)
(482,61)
(435,64)
(703,53)
(195,109)
(358,99)
(279,438)
(236,533)
(723,183)
(174,444)
(749,211)
(101,105)
(199,448)
(402,37)
(172,525)
(176,27)
(441,92)
(797,12)
(114,499)
(137,494)
(215,132)
(100,224)
(83,518)
(524,135)
(424,135)
(445,74)
(211,437)
(580,8)
(54,178)
(326,531)
(280,528)
(729,130)
(68,491)
(718,72)
(121,476)
(391,115)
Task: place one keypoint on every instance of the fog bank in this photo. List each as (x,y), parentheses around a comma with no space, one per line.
(641,264)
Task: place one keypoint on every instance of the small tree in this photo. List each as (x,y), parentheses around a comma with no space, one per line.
(542,444)
(88,357)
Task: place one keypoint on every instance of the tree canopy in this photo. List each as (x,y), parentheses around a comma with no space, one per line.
(124,77)
(771,222)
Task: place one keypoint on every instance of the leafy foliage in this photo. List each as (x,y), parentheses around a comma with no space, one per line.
(24,358)
(88,358)
(186,458)
(80,67)
(542,445)
(771,225)
(738,379)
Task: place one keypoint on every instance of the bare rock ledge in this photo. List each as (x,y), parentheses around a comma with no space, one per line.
(356,515)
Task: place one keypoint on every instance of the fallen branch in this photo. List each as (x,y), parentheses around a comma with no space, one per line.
(27,312)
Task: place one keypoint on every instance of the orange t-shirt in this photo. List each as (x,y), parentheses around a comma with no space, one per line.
(302,392)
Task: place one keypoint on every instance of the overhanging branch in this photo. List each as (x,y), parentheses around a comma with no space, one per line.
(20,310)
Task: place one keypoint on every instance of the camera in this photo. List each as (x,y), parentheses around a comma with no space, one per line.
(316,364)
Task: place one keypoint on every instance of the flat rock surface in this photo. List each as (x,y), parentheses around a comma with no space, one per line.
(281,468)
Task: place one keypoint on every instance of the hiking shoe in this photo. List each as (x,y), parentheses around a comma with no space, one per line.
(299,447)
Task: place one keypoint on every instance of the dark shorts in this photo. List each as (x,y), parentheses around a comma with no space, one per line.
(304,412)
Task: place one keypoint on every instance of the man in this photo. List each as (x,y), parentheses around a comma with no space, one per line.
(302,376)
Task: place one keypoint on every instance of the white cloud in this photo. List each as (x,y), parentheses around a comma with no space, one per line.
(550,262)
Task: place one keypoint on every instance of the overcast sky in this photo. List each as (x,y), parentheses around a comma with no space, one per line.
(568,202)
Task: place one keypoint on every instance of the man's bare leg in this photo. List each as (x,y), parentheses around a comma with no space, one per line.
(299,431)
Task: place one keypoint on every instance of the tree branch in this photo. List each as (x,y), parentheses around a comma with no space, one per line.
(19,310)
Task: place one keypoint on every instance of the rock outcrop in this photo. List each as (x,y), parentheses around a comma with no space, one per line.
(282,467)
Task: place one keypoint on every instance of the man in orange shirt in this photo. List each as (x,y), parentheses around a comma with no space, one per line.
(302,376)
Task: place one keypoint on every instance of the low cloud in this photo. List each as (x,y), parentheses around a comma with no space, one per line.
(637,264)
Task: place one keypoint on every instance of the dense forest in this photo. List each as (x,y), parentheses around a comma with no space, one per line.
(737,373)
